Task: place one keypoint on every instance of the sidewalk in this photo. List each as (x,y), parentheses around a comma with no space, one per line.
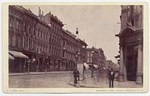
(127,84)
(89,84)
(39,73)
(104,83)
(94,82)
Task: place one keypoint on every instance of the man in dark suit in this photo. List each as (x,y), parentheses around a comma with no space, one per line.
(76,75)
(111,76)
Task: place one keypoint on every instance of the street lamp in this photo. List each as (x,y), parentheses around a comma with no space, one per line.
(76,57)
(46,66)
(92,69)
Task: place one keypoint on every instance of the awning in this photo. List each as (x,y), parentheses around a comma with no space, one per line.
(11,57)
(18,54)
(96,66)
(86,65)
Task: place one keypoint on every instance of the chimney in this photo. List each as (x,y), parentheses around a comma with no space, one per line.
(77,31)
(39,12)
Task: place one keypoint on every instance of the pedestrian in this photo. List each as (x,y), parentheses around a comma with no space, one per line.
(111,75)
(76,75)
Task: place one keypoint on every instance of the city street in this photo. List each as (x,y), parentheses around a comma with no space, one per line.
(64,79)
(53,80)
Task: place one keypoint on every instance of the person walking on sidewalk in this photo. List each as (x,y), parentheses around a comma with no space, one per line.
(111,75)
(76,75)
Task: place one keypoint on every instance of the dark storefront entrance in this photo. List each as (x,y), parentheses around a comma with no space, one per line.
(131,63)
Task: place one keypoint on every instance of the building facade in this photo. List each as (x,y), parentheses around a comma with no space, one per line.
(131,43)
(37,42)
(102,58)
(73,50)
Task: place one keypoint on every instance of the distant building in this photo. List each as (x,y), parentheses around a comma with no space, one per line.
(39,43)
(110,64)
(95,57)
(131,43)
(101,58)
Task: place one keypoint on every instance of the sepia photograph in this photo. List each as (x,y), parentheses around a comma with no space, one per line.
(75,46)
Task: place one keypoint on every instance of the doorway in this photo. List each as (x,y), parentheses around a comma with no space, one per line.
(131,62)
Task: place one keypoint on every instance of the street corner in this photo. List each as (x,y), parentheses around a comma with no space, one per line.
(82,85)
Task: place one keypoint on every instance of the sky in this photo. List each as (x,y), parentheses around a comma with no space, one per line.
(97,24)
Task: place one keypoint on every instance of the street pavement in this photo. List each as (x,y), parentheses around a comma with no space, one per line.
(41,80)
(64,79)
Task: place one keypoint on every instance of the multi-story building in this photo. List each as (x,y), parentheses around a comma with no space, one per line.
(131,43)
(109,64)
(36,42)
(95,57)
(102,60)
(55,40)
(73,50)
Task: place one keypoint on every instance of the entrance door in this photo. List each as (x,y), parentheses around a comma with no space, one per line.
(131,64)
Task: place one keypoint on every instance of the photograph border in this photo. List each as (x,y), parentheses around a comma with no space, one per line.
(5,75)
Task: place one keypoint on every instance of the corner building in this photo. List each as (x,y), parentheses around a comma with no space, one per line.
(131,43)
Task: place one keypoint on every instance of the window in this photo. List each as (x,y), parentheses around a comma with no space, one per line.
(28,44)
(25,26)
(10,39)
(91,54)
(132,22)
(10,22)
(14,40)
(17,24)
(34,30)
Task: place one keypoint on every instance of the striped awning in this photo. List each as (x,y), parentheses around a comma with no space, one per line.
(86,65)
(96,66)
(11,57)
(18,54)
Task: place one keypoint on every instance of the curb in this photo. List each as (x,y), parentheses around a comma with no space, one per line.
(81,85)
(39,73)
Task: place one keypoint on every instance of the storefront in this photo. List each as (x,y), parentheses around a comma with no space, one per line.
(17,61)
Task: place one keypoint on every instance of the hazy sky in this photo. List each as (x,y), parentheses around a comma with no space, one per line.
(97,24)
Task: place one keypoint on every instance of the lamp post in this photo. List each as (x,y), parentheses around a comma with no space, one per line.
(46,64)
(76,60)
(92,69)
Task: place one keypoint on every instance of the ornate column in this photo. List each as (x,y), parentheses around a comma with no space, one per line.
(125,62)
(121,69)
(139,64)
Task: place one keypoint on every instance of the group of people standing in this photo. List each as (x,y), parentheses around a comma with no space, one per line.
(110,75)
